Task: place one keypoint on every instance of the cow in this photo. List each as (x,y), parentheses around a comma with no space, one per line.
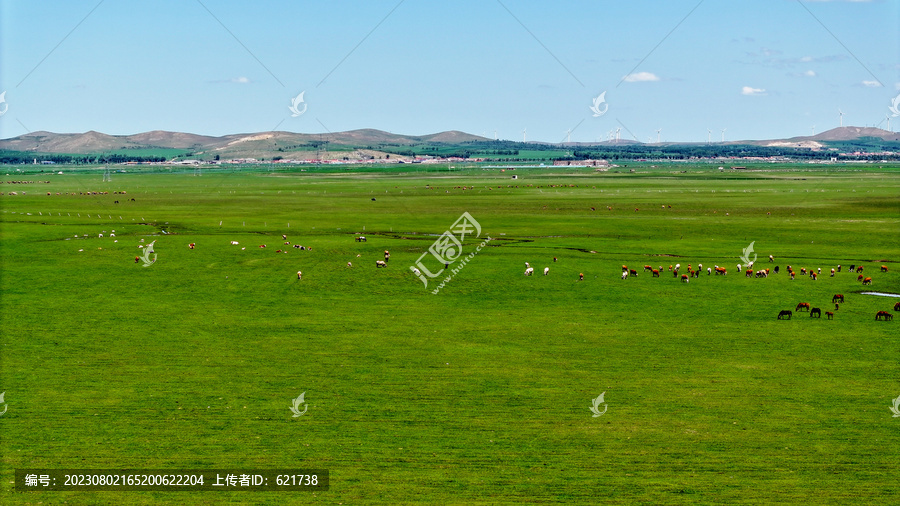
(654,273)
(867,281)
(883,315)
(361,238)
(748,273)
(547,270)
(771,258)
(839,268)
(685,279)
(349,264)
(624,268)
(580,276)
(776,269)
(647,268)
(832,272)
(632,272)
(137,259)
(803,271)
(709,271)
(838,297)
(387,255)
(675,274)
(813,275)
(860,277)
(380,263)
(801,306)
(884,268)
(829,315)
(722,271)
(785,315)
(852,267)
(191,245)
(859,269)
(897,306)
(299,275)
(815,313)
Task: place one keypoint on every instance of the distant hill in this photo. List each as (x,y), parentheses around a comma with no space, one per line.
(367,144)
(232,145)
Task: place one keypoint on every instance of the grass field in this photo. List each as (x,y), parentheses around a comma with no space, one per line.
(479,394)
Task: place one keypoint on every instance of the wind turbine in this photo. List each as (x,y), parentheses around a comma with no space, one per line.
(569,135)
(888,117)
(841,113)
(617,134)
(708,136)
(723,134)
(495,135)
(524,132)
(657,134)
(813,130)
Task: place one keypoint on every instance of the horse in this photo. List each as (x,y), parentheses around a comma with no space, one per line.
(815,313)
(837,297)
(867,281)
(883,315)
(829,315)
(802,305)
(785,315)
(884,268)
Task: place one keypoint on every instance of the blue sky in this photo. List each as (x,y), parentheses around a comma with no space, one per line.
(761,69)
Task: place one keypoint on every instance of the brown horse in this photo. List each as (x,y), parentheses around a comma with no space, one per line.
(884,268)
(802,305)
(838,297)
(897,306)
(884,315)
(830,315)
(654,273)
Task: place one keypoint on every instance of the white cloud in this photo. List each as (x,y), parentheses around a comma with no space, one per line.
(810,73)
(240,80)
(871,84)
(641,76)
(746,90)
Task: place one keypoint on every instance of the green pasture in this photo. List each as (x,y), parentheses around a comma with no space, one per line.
(479,394)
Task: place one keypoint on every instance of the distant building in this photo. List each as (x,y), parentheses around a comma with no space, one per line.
(582,163)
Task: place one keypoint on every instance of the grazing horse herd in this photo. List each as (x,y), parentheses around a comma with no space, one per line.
(837,299)
(813,274)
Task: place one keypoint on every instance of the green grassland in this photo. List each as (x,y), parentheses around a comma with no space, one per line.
(479,394)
